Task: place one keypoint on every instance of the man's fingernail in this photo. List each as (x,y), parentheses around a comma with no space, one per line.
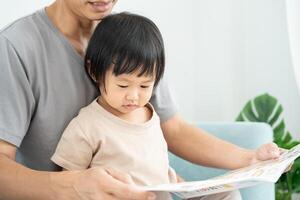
(151,197)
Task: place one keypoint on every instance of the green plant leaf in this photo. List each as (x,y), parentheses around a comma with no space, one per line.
(264,105)
(240,118)
(249,113)
(269,110)
(288,138)
(296,164)
(291,144)
(296,179)
(276,115)
(279,131)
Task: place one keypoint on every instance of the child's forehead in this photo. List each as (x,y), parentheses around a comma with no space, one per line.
(135,76)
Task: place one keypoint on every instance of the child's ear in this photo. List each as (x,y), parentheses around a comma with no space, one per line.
(88,69)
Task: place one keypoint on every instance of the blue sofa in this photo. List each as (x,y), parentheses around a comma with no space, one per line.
(245,134)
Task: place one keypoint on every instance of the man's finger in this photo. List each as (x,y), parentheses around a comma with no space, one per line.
(126,178)
(131,192)
(281,150)
(273,150)
(109,197)
(123,190)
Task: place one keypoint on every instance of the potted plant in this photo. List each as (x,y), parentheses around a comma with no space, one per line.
(266,108)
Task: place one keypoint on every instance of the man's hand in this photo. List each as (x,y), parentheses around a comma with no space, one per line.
(266,152)
(107,184)
(20,182)
(269,151)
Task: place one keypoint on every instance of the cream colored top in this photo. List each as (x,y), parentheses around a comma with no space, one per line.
(98,138)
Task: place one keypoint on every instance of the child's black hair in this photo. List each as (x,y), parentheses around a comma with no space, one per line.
(127,42)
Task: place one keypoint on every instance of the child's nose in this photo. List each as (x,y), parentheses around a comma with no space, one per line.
(132,95)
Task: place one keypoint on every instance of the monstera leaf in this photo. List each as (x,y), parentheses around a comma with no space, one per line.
(266,108)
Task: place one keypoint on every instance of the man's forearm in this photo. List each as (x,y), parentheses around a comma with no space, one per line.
(19,182)
(199,147)
(205,149)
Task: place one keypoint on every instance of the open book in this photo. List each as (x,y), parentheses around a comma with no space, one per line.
(265,171)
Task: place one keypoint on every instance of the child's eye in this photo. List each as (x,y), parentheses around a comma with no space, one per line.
(145,86)
(123,86)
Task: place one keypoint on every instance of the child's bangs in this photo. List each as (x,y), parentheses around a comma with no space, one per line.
(128,64)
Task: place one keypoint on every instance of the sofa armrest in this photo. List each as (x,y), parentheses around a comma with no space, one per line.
(245,134)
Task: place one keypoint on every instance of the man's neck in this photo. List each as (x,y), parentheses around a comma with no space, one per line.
(76,29)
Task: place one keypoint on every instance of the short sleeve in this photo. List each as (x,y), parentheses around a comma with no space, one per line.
(74,151)
(163,102)
(16,97)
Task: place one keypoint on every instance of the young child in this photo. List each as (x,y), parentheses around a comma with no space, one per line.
(120,129)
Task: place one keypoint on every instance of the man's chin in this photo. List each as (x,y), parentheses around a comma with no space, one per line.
(96,18)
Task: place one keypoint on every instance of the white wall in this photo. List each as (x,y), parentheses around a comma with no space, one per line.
(11,10)
(225,52)
(220,53)
(268,58)
(204,43)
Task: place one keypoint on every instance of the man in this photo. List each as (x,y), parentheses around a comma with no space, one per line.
(42,86)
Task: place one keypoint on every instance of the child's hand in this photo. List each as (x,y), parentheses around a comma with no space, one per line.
(179,179)
(266,152)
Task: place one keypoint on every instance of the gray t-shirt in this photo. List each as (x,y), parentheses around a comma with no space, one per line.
(43,85)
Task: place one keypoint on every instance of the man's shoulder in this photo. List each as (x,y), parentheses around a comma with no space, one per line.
(23,29)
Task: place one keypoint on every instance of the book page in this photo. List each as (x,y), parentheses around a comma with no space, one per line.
(264,171)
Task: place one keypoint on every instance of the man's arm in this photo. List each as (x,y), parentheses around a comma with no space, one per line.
(19,182)
(197,146)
